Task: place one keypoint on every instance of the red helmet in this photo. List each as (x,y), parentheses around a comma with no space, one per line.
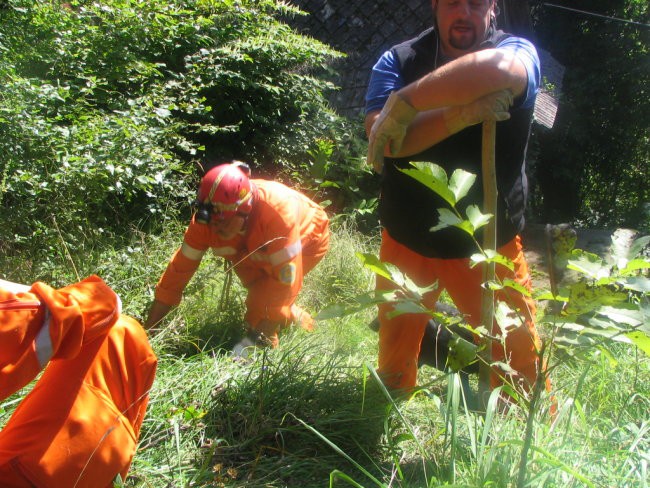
(227,189)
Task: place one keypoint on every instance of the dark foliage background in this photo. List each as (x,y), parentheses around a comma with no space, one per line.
(594,166)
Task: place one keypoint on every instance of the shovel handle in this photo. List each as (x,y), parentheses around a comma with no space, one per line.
(489,242)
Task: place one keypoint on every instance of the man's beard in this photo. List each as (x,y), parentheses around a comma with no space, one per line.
(463,41)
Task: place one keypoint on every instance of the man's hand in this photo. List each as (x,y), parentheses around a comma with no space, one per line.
(389,128)
(157,312)
(252,340)
(493,106)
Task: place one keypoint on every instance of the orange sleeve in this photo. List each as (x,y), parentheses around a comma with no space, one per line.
(179,272)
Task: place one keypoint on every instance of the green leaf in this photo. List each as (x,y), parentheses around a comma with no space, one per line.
(433,177)
(548,295)
(638,245)
(373,263)
(491,256)
(402,307)
(460,183)
(476,218)
(362,302)
(446,218)
(589,264)
(462,353)
(508,283)
(506,317)
(640,340)
(634,265)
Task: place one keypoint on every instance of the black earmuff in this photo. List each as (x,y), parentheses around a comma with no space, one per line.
(203,213)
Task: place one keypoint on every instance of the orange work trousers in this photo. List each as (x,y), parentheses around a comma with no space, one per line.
(270,304)
(80,424)
(401,336)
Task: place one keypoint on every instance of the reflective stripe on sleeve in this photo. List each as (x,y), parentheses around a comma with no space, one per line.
(224,251)
(13,287)
(43,341)
(286,253)
(191,253)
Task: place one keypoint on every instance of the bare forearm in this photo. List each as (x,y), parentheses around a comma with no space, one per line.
(466,79)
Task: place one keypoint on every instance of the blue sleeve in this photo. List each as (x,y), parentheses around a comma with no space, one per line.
(384,79)
(527,54)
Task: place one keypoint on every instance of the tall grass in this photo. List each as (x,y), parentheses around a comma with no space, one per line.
(311,413)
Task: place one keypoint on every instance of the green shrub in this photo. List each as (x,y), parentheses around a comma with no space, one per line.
(107,109)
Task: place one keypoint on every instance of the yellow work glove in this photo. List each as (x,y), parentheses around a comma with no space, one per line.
(493,106)
(389,128)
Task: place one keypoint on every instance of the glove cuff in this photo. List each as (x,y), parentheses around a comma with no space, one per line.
(454,119)
(399,109)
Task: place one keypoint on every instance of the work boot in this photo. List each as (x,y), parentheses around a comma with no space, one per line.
(252,340)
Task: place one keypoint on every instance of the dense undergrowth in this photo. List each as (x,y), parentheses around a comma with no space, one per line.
(312,410)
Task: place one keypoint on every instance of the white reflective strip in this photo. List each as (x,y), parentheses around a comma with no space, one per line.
(286,254)
(224,251)
(13,287)
(43,341)
(191,253)
(258,256)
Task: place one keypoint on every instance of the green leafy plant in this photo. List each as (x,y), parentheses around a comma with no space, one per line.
(608,304)
(107,109)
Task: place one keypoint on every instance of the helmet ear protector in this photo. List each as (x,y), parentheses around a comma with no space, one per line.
(203,213)
(206,209)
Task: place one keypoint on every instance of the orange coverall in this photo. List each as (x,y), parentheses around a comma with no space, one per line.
(400,337)
(80,424)
(285,236)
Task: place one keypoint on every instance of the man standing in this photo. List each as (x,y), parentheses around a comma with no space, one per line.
(426,100)
(272,235)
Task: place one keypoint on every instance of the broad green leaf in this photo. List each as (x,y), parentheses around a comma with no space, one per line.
(510,283)
(636,283)
(574,340)
(386,270)
(491,256)
(624,315)
(506,368)
(461,353)
(362,302)
(622,252)
(446,218)
(460,183)
(588,263)
(640,340)
(493,285)
(634,265)
(506,317)
(402,307)
(433,177)
(476,218)
(415,291)
(585,298)
(548,295)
